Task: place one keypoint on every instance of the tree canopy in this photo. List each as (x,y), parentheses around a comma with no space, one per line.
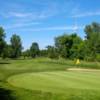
(16,46)
(2,41)
(93,39)
(34,49)
(68,46)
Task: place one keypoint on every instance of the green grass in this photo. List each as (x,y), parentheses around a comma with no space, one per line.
(57,82)
(46,79)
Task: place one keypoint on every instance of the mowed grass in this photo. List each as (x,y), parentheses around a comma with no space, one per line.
(57,82)
(46,79)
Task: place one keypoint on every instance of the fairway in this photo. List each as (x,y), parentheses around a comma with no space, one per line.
(57,81)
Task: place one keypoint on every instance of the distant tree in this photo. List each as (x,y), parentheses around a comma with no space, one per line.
(26,53)
(44,53)
(76,50)
(64,52)
(34,50)
(52,52)
(16,46)
(63,45)
(7,51)
(93,39)
(2,41)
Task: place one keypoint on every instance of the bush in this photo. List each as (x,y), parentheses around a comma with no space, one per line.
(98,57)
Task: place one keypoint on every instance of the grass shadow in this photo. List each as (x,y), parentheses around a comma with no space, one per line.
(5,63)
(6,94)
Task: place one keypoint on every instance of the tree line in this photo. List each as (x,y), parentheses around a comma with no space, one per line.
(66,46)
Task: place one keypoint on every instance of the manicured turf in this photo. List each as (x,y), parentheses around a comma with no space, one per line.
(46,79)
(57,82)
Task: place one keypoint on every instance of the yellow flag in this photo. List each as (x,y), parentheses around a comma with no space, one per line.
(77,61)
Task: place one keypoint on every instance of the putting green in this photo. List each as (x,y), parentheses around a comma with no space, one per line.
(59,81)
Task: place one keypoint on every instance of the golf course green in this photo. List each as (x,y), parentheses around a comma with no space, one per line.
(57,81)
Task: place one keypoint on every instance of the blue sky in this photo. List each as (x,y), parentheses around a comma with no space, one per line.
(42,20)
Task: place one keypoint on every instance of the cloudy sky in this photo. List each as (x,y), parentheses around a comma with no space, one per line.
(42,20)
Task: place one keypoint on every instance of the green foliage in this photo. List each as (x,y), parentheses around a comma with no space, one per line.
(63,44)
(2,41)
(43,53)
(93,39)
(52,52)
(76,50)
(98,57)
(34,50)
(16,46)
(26,54)
(69,46)
(7,51)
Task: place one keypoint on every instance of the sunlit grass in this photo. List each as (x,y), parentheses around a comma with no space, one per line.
(56,75)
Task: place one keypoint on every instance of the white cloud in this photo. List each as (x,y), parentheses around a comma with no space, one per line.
(20,25)
(19,15)
(86,14)
(47,9)
(28,16)
(15,15)
(55,28)
(43,9)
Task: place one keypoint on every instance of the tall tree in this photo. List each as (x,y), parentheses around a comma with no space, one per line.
(68,45)
(34,50)
(63,44)
(76,50)
(16,46)
(93,38)
(2,41)
(7,51)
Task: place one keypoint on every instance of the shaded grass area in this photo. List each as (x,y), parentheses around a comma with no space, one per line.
(70,95)
(6,94)
(13,67)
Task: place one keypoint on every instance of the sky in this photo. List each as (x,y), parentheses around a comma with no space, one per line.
(42,20)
